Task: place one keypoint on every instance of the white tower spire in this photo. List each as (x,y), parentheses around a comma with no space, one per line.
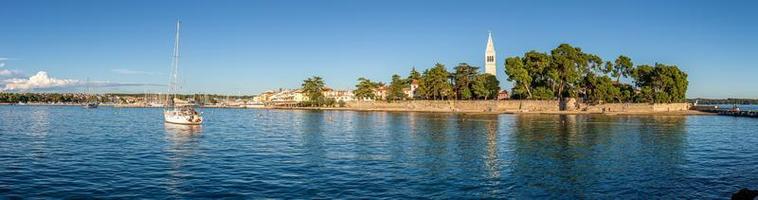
(490,60)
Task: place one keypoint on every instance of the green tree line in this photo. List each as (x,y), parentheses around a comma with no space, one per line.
(567,71)
(465,82)
(41,97)
(313,88)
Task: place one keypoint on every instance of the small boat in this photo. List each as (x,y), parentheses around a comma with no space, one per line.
(173,112)
(253,105)
(90,105)
(155,105)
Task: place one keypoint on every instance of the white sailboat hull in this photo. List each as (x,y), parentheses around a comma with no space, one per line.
(178,117)
(252,106)
(155,105)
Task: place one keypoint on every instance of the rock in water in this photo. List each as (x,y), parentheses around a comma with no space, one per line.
(745,194)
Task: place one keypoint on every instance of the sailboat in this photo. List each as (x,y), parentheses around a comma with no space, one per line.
(174,111)
(90,103)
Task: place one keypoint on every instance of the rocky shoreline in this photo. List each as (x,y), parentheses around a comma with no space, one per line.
(521,107)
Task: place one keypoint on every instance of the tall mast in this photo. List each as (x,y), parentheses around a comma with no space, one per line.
(173,87)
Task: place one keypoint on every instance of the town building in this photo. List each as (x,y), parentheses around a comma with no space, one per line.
(339,95)
(381,92)
(411,91)
(289,96)
(264,96)
(503,95)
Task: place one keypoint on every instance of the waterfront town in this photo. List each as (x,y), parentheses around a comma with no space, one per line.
(400,89)
(564,80)
(272,98)
(341,99)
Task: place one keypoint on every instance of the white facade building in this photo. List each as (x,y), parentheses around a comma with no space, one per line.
(339,95)
(410,92)
(490,59)
(289,96)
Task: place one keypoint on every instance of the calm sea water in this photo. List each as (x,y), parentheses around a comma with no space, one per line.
(70,152)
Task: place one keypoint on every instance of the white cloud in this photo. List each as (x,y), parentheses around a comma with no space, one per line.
(2,61)
(10,73)
(39,81)
(131,72)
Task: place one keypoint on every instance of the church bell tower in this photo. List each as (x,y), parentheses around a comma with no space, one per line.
(490,63)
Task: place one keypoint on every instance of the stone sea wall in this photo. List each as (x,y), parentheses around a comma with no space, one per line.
(636,107)
(509,106)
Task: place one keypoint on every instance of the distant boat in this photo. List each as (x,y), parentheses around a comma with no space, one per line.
(174,113)
(253,105)
(90,104)
(155,105)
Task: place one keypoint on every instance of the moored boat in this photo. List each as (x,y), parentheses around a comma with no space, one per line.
(90,105)
(177,113)
(92,102)
(253,105)
(186,115)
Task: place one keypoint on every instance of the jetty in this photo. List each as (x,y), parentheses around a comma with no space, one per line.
(739,113)
(729,112)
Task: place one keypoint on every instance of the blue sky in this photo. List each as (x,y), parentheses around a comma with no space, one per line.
(245,47)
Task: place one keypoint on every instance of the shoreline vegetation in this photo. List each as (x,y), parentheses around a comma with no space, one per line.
(420,109)
(572,81)
(661,113)
(566,74)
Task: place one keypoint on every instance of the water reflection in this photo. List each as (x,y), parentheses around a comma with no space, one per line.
(492,160)
(567,154)
(432,142)
(40,119)
(39,129)
(178,132)
(478,156)
(181,152)
(311,131)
